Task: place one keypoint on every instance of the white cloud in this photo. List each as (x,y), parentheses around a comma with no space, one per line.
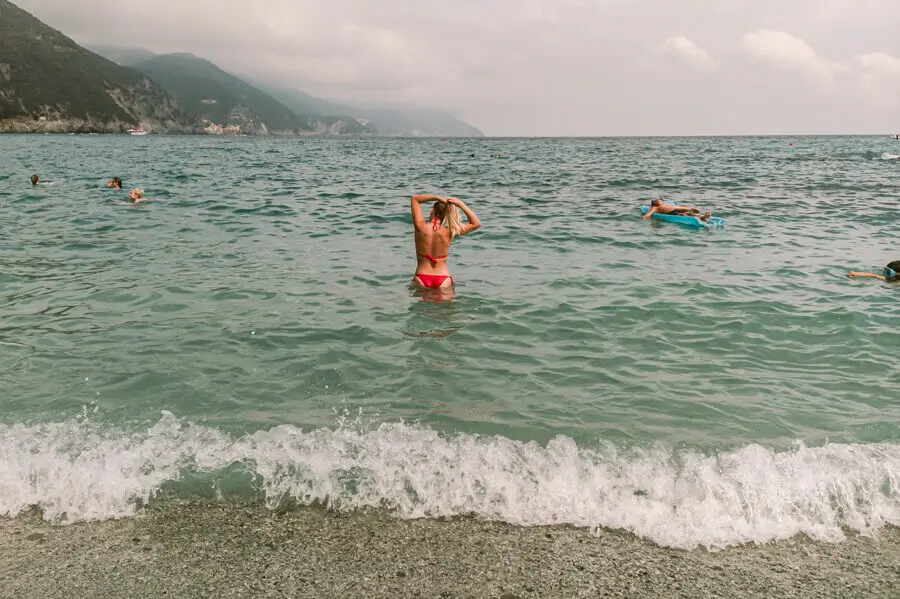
(688,51)
(880,75)
(865,78)
(880,63)
(789,53)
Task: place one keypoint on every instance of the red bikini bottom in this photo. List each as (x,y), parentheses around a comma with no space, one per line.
(433,281)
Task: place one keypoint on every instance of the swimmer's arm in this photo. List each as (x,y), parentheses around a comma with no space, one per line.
(865,275)
(474,223)
(649,212)
(415,207)
(426,197)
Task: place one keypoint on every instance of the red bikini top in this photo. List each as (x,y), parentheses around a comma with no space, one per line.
(434,259)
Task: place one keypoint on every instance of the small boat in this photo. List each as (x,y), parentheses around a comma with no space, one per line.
(137,132)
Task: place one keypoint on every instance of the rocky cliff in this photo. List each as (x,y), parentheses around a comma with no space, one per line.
(226,103)
(48,83)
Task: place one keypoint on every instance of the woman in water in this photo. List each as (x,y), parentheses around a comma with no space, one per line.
(114,182)
(890,274)
(434,236)
(35,180)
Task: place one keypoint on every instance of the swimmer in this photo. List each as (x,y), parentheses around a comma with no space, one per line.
(657,206)
(890,273)
(434,236)
(35,180)
(114,182)
(136,196)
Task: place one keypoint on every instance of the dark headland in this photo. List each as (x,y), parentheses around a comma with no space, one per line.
(51,84)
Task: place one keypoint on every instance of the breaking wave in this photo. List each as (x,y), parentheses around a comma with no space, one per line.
(76,471)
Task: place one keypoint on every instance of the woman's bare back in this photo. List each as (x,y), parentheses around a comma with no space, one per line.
(432,248)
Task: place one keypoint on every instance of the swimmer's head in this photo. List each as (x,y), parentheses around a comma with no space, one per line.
(136,194)
(35,179)
(437,211)
(115,182)
(892,271)
(656,202)
(448,216)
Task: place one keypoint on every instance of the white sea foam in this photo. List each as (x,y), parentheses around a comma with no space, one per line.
(887,156)
(80,471)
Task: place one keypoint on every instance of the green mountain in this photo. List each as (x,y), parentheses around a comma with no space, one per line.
(322,115)
(419,122)
(225,101)
(124,55)
(220,98)
(393,121)
(304,103)
(49,83)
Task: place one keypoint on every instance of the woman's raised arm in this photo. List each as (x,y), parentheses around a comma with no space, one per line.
(474,223)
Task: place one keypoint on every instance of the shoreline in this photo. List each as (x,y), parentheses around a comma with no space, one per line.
(313,134)
(245,550)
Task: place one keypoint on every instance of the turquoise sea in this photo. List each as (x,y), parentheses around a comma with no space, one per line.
(251,332)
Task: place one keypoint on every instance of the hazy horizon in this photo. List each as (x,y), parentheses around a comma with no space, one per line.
(539,68)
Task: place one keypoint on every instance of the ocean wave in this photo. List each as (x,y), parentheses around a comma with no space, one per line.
(78,471)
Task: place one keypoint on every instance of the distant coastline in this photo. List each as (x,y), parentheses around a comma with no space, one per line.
(200,133)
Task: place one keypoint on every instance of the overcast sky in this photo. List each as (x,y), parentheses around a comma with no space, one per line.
(546,67)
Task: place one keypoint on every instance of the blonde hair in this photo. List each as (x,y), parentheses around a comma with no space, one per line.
(450,218)
(138,192)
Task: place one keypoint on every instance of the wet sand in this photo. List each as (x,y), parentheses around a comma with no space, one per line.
(201,550)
